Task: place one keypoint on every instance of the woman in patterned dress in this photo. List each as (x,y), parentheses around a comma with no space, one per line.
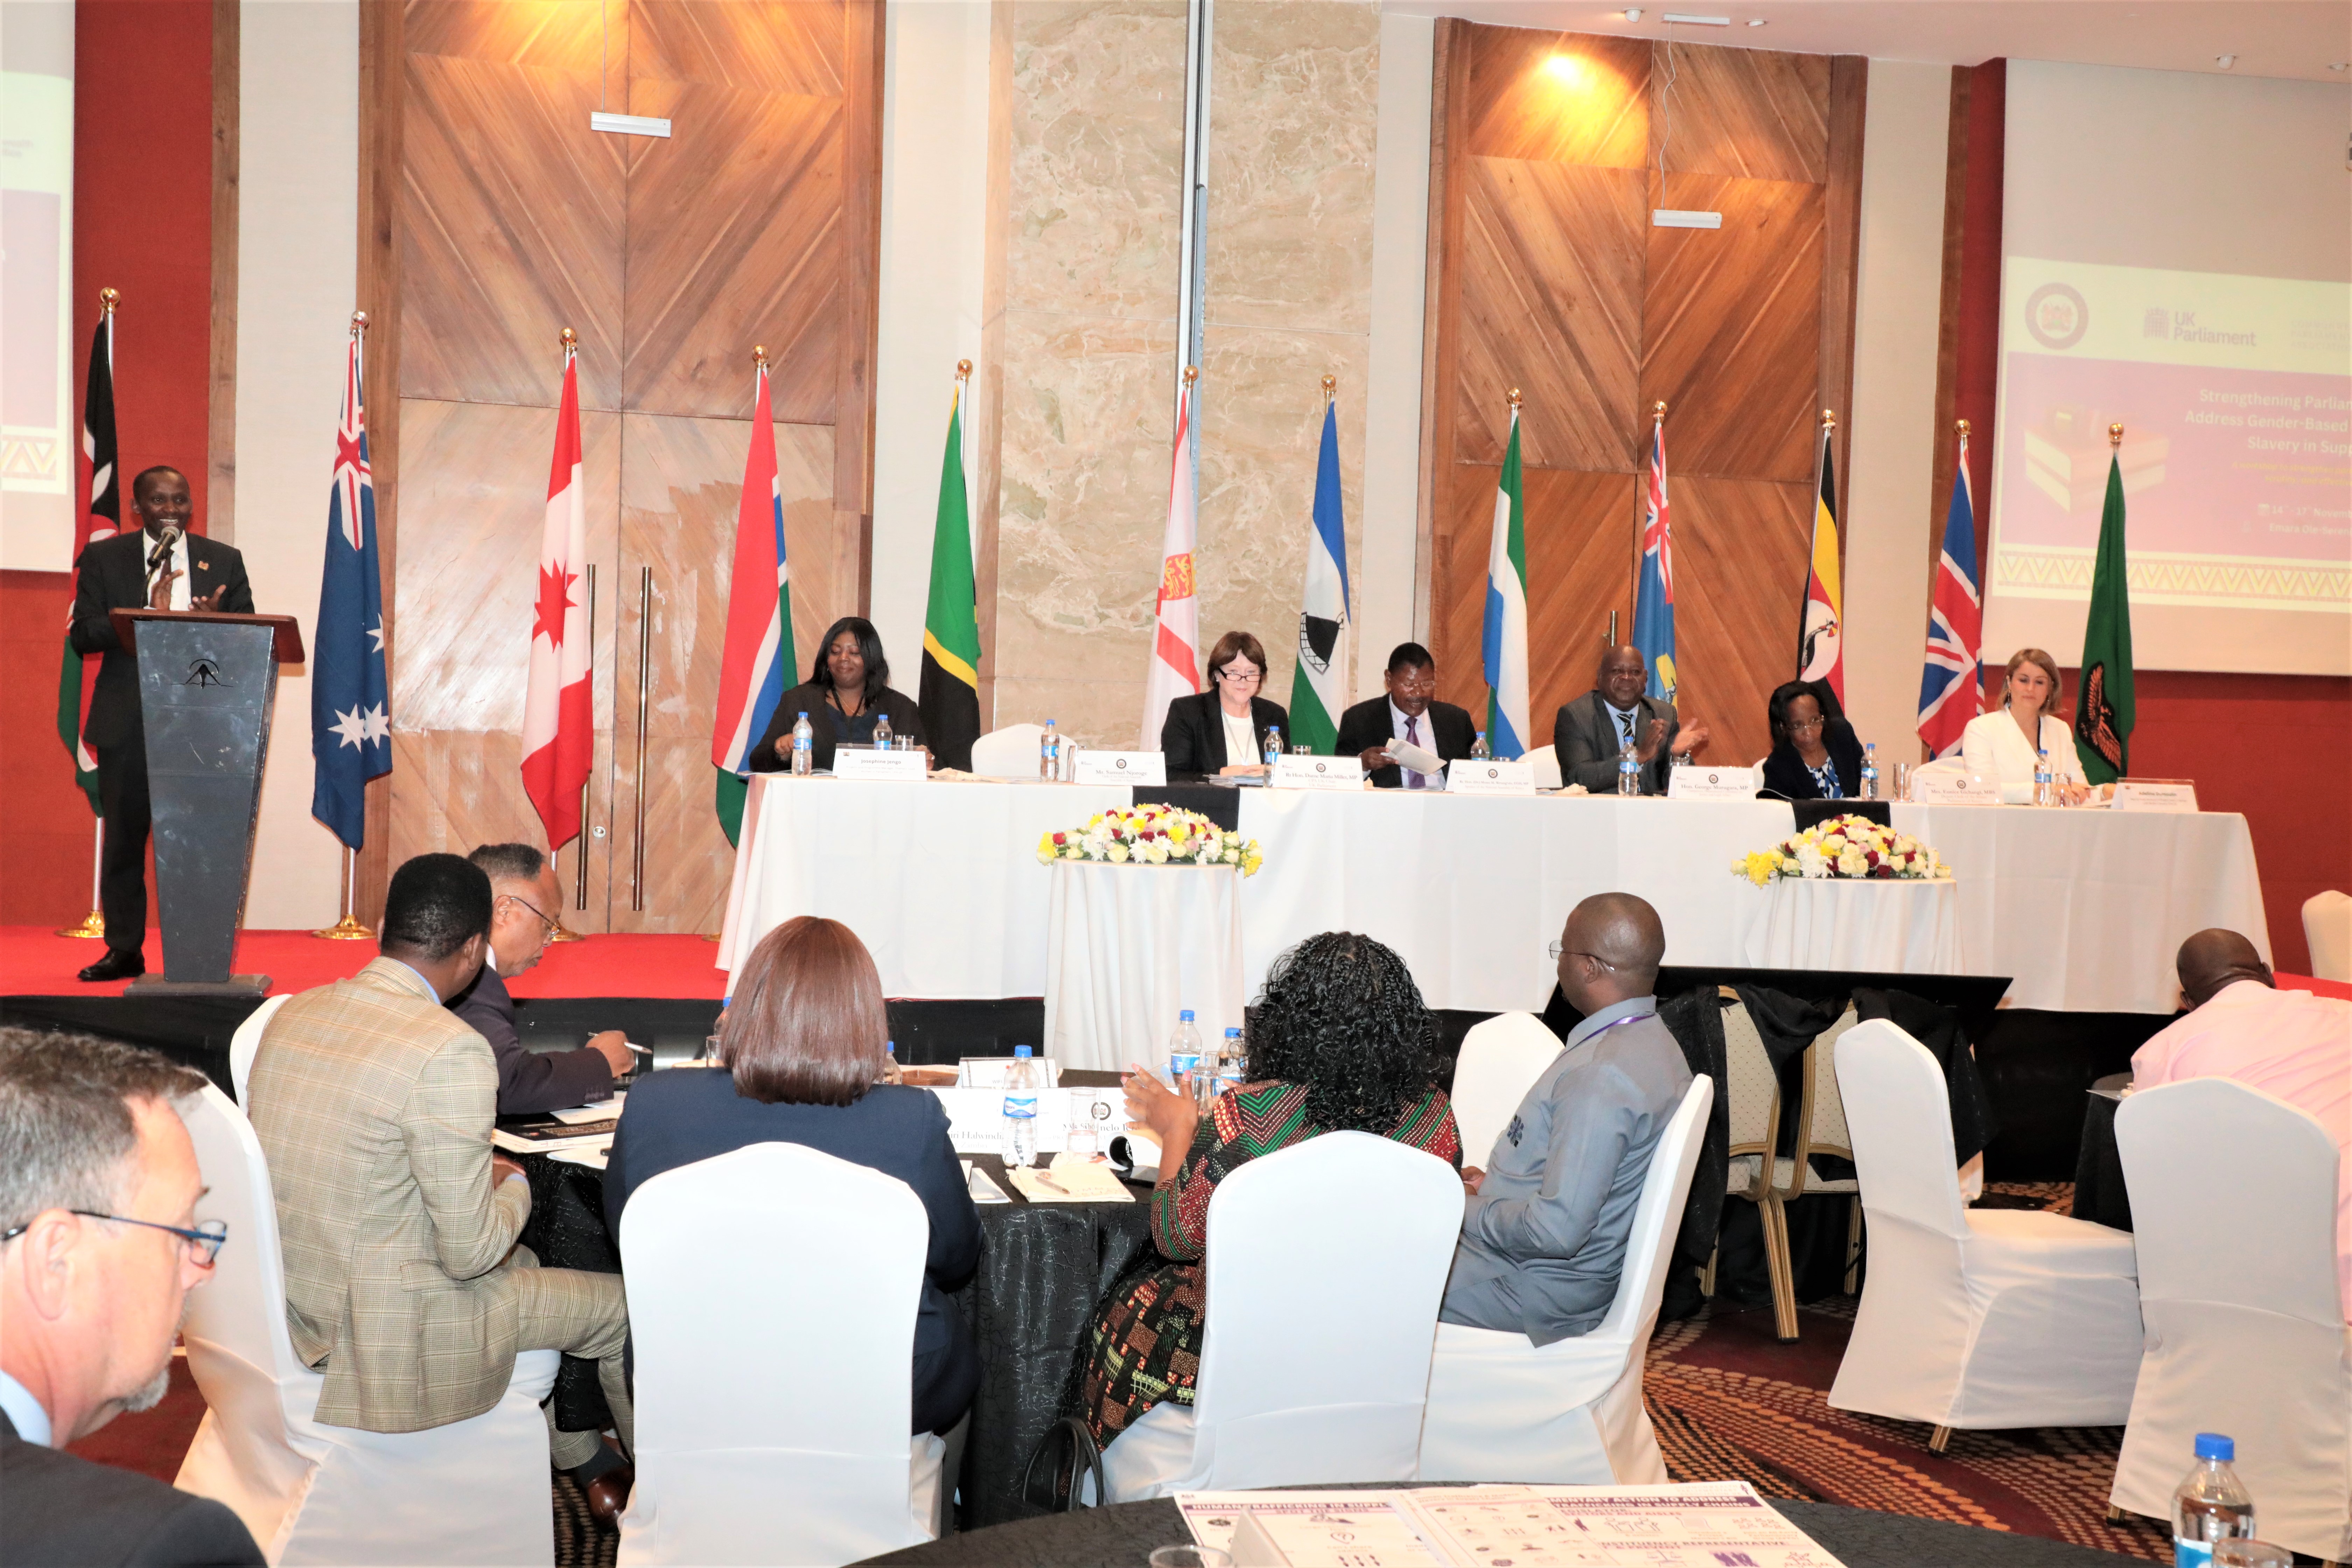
(1339,1040)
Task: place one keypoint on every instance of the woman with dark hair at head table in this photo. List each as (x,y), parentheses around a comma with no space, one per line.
(1814,757)
(1339,1041)
(802,1048)
(1223,729)
(848,687)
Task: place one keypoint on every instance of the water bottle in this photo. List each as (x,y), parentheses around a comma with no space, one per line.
(1229,1063)
(1021,1080)
(1183,1051)
(1629,770)
(1479,750)
(2044,794)
(890,1073)
(1049,753)
(2210,1504)
(803,747)
(882,732)
(1273,745)
(1870,771)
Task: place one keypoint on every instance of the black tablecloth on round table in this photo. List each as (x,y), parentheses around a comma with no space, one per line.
(1045,1269)
(1124,1536)
(2099,1192)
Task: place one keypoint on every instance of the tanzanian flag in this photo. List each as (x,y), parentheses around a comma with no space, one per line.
(949,693)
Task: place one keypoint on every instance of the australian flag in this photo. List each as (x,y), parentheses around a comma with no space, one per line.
(350,705)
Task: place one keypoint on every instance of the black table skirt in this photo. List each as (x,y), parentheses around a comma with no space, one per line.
(1858,1538)
(2099,1192)
(1045,1272)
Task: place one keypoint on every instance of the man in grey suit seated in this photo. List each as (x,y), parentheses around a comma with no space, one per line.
(1543,1237)
(1589,732)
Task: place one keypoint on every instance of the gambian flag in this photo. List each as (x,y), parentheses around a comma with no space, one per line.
(559,717)
(1820,653)
(950,683)
(1318,691)
(100,518)
(1504,645)
(754,671)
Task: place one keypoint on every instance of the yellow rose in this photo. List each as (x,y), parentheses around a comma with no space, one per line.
(1118,854)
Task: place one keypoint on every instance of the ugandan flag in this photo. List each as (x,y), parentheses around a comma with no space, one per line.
(949,693)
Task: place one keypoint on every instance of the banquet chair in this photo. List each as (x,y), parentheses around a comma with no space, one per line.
(2327,927)
(1570,1413)
(1772,1182)
(1970,1318)
(773,1294)
(2234,1208)
(1547,766)
(1009,753)
(246,1044)
(1501,1059)
(1325,1262)
(473,1491)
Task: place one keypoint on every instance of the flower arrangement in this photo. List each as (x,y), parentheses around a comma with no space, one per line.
(1844,846)
(1152,836)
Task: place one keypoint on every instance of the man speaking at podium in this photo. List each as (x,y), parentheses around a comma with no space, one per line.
(160,567)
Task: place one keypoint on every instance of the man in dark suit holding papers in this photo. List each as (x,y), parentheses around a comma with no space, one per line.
(1409,715)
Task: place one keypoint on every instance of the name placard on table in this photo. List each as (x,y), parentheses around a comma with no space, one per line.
(1691,781)
(860,763)
(1294,771)
(1947,789)
(1121,768)
(1494,777)
(2155,795)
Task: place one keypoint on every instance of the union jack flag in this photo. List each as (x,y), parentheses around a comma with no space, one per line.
(1951,684)
(350,705)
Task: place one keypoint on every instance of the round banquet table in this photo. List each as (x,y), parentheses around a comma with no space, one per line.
(1859,1538)
(2100,1195)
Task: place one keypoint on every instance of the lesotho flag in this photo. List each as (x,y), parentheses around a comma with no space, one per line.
(1318,685)
(350,703)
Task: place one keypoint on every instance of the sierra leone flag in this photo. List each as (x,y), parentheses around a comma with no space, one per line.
(1505,645)
(1318,686)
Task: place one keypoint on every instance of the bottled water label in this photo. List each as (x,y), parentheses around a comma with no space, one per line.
(1020,1129)
(1178,1065)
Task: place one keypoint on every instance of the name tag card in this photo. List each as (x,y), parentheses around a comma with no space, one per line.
(859,762)
(1947,789)
(1491,778)
(1291,772)
(1691,781)
(2155,795)
(1122,768)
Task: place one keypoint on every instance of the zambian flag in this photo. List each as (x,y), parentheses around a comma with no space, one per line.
(2104,709)
(950,688)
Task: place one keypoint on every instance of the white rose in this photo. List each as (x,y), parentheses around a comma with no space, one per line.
(1852,864)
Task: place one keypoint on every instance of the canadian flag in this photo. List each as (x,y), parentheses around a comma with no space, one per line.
(1175,664)
(558,716)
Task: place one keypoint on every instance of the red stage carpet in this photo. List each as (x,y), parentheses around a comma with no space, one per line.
(36,963)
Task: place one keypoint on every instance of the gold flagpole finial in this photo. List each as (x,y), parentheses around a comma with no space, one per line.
(106,299)
(359,322)
(1512,397)
(1330,388)
(963,370)
(760,355)
(1962,426)
(571,341)
(1191,374)
(2115,435)
(1829,420)
(1658,412)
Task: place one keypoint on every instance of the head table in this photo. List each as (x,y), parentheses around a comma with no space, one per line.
(942,880)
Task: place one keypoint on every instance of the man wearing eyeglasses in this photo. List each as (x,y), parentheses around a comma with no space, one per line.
(99,1249)
(526,907)
(1409,715)
(1545,1230)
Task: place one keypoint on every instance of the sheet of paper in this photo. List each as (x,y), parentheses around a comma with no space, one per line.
(515,1144)
(1071,1180)
(593,1156)
(1698,1526)
(1342,1535)
(1215,1517)
(601,1111)
(983,1189)
(1420,759)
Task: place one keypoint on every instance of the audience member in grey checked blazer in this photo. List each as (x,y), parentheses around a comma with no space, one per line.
(1544,1234)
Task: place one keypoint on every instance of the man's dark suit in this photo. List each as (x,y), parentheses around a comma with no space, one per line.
(1193,738)
(1586,737)
(62,1512)
(113,575)
(529,1080)
(1446,730)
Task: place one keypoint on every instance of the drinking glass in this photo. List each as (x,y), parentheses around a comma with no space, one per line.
(710,1050)
(1302,750)
(1902,781)
(2241,1553)
(1190,1556)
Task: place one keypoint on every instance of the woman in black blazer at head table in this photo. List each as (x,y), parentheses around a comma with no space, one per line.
(1202,732)
(848,687)
(1813,758)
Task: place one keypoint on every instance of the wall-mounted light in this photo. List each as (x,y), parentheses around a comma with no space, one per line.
(1632,12)
(1567,69)
(2225,61)
(1754,21)
(627,125)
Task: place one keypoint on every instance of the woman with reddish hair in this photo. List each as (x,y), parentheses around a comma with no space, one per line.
(802,1054)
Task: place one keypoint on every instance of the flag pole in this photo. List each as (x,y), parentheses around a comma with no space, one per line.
(349,928)
(92,926)
(571,341)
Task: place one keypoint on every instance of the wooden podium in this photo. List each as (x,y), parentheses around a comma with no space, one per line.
(207,686)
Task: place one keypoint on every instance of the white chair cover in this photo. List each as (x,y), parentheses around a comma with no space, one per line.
(2327,927)
(1326,1263)
(246,1044)
(472,1492)
(1010,752)
(2234,1205)
(1569,1413)
(1970,1318)
(1501,1059)
(1547,771)
(773,1294)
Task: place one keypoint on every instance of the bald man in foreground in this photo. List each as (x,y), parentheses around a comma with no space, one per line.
(1543,1238)
(2292,1044)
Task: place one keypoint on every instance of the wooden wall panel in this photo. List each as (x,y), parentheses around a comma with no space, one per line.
(578,37)
(1560,97)
(758,45)
(1740,552)
(1753,114)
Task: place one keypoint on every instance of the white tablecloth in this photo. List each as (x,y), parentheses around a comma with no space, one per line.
(2084,908)
(1909,928)
(1128,949)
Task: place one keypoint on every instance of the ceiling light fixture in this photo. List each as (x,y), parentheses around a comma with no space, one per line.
(1632,12)
(2225,61)
(2341,65)
(1698,21)
(1754,21)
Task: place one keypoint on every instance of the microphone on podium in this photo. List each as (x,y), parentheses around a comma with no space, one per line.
(163,543)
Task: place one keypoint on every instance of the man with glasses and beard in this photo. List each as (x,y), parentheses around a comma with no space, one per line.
(525,903)
(99,1249)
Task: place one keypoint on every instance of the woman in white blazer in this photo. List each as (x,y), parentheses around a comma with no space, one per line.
(1997,746)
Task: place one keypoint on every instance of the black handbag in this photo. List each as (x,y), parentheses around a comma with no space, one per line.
(1065,1453)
